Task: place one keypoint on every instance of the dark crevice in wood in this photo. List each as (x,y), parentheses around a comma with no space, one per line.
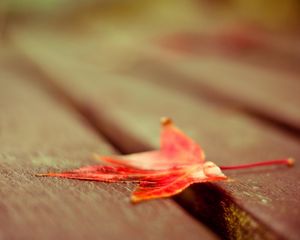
(214,207)
(207,203)
(162,75)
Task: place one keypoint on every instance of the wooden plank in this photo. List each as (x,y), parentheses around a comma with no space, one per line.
(38,135)
(268,93)
(261,203)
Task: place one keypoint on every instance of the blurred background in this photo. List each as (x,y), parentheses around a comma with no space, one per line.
(132,21)
(173,24)
(115,33)
(155,16)
(274,14)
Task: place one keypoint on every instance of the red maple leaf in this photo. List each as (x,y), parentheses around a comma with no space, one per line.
(178,163)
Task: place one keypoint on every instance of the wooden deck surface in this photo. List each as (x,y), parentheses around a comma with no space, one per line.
(39,134)
(68,94)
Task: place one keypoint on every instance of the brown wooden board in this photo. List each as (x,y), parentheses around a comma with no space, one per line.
(38,135)
(269,94)
(258,204)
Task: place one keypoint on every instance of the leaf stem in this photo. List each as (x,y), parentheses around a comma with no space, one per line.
(288,162)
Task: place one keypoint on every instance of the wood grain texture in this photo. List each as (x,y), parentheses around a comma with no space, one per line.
(269,196)
(38,135)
